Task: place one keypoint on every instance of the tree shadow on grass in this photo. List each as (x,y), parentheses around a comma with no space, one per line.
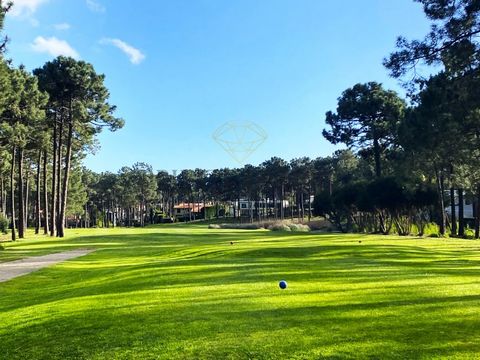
(205,289)
(390,329)
(146,266)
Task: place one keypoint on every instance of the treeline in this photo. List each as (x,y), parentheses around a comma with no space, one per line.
(344,188)
(48,121)
(275,189)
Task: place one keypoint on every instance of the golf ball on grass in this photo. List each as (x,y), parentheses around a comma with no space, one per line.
(282,284)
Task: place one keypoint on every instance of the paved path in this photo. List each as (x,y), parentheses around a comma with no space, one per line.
(13,269)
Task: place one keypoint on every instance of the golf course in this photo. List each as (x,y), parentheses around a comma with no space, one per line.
(239,180)
(185,291)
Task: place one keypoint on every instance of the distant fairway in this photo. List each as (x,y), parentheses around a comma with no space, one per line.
(176,292)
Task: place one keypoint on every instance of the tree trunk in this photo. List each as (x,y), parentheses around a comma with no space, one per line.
(376,152)
(265,207)
(85,225)
(2,203)
(59,177)
(4,199)
(477,212)
(309,203)
(274,203)
(27,196)
(12,193)
(461,220)
(292,194)
(63,208)
(453,217)
(299,206)
(45,194)
(53,213)
(440,201)
(453,211)
(302,206)
(38,196)
(239,209)
(282,211)
(21,197)
(66,176)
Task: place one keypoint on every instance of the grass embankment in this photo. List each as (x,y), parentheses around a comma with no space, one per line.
(186,292)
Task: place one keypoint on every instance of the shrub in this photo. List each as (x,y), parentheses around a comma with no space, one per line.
(236,226)
(279,227)
(431,230)
(321,225)
(251,227)
(299,227)
(286,225)
(4,224)
(469,233)
(270,225)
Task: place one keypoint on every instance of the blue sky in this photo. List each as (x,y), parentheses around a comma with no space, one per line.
(179,69)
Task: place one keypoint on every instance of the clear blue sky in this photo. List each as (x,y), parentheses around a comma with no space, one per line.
(178,70)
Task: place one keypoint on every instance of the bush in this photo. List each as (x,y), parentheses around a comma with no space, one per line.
(321,225)
(4,222)
(251,226)
(469,233)
(431,230)
(236,226)
(299,227)
(286,225)
(270,225)
(279,227)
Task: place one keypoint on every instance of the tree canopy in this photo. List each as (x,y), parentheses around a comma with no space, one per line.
(366,118)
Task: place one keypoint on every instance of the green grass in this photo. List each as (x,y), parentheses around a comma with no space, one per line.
(183,292)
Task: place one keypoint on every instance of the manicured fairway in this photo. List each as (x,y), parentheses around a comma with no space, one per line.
(185,292)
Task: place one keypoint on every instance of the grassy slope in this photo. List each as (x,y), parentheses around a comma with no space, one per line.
(185,292)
